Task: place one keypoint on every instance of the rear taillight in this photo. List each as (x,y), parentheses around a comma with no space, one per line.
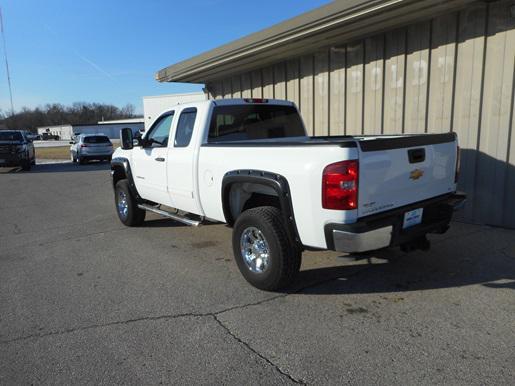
(83,145)
(458,165)
(340,185)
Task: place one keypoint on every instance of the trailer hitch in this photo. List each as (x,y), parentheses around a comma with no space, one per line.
(421,243)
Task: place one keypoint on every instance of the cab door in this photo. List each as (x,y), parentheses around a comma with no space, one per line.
(150,162)
(182,162)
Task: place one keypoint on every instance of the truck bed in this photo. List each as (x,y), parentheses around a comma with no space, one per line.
(366,142)
(385,172)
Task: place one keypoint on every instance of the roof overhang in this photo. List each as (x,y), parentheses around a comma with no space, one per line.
(333,24)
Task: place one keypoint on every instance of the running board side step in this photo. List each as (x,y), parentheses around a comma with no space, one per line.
(175,217)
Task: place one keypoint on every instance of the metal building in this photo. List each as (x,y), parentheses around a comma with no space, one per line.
(389,66)
(154,105)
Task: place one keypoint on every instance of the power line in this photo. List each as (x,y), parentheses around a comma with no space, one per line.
(6,61)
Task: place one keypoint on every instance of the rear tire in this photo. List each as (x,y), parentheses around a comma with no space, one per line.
(260,235)
(82,160)
(126,205)
(26,165)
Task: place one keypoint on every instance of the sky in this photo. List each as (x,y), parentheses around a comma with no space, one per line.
(108,51)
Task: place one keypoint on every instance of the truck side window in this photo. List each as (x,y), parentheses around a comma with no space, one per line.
(185,127)
(160,131)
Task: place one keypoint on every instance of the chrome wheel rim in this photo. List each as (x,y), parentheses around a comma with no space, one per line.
(254,250)
(122,204)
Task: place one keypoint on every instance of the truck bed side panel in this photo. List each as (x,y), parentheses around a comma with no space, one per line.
(302,166)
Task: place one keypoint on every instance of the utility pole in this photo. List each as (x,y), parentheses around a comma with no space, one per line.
(6,61)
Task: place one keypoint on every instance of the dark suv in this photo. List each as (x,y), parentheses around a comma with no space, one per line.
(16,149)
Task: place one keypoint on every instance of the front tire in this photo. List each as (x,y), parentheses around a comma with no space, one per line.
(26,165)
(263,251)
(126,205)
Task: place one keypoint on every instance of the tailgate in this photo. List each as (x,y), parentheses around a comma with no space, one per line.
(397,171)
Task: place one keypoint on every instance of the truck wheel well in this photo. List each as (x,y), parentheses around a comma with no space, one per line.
(258,199)
(118,174)
(246,189)
(244,196)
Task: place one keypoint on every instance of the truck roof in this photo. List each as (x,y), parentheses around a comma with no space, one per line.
(234,101)
(228,102)
(240,101)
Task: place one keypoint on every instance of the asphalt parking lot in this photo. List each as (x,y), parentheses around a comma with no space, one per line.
(84,299)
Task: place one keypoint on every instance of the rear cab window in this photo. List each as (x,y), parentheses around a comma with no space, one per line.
(96,139)
(254,122)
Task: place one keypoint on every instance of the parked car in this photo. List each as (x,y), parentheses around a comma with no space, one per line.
(87,147)
(249,163)
(16,149)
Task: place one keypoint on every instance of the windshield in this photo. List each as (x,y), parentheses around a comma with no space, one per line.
(247,122)
(10,136)
(96,139)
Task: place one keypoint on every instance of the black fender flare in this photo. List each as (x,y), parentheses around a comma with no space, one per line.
(124,164)
(273,180)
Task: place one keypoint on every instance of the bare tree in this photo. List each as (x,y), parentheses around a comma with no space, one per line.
(58,114)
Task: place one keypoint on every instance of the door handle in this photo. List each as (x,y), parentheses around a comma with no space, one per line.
(160,159)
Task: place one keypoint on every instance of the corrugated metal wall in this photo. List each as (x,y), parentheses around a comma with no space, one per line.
(452,73)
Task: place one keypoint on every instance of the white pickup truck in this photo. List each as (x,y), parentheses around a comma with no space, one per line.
(250,164)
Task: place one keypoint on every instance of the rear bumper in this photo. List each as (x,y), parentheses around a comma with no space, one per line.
(385,229)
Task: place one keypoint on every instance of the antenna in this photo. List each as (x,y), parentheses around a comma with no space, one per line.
(6,61)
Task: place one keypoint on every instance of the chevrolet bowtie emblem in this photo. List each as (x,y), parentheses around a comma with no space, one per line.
(416,174)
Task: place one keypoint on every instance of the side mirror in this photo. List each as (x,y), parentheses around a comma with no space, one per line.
(126,138)
(138,138)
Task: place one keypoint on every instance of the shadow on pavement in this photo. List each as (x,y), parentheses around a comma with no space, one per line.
(447,265)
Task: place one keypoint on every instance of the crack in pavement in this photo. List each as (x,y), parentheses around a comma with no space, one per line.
(100,325)
(143,318)
(248,347)
(182,315)
(213,315)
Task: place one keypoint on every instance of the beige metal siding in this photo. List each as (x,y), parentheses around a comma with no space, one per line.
(394,81)
(452,73)
(307,96)
(280,81)
(321,93)
(496,119)
(373,103)
(268,82)
(467,105)
(337,91)
(354,90)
